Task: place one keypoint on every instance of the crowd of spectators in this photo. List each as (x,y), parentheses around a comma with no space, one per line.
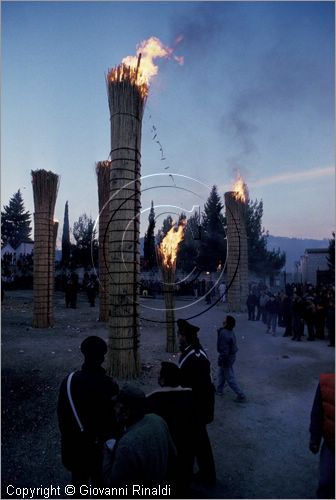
(299,309)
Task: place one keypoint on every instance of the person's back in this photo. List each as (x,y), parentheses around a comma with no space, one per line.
(175,404)
(91,391)
(195,373)
(145,453)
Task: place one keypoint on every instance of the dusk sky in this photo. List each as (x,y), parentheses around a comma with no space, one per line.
(255,94)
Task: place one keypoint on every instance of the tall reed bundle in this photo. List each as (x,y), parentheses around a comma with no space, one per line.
(103,180)
(45,187)
(237,264)
(52,252)
(126,103)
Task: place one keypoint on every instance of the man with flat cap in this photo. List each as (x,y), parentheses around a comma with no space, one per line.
(195,373)
(85,414)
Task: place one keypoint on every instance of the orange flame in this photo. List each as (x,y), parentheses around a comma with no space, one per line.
(240,190)
(141,68)
(169,245)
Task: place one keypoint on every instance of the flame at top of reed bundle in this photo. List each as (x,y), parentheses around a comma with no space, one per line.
(168,247)
(139,69)
(240,190)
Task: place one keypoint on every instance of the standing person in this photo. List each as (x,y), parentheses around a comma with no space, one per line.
(85,414)
(262,303)
(145,454)
(251,305)
(208,292)
(319,317)
(287,315)
(297,317)
(322,427)
(227,349)
(91,292)
(309,317)
(195,373)
(222,291)
(258,313)
(175,404)
(272,308)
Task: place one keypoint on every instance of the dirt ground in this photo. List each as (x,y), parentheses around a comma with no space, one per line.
(260,447)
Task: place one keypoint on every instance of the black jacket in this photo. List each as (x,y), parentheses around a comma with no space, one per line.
(195,373)
(91,391)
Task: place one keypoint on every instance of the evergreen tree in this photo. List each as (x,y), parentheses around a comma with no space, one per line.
(15,222)
(189,251)
(149,241)
(166,226)
(213,245)
(260,260)
(66,246)
(86,247)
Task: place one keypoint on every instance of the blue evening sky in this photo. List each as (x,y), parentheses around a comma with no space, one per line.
(255,93)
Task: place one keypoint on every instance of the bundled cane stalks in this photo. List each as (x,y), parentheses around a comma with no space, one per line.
(237,259)
(45,187)
(126,103)
(103,180)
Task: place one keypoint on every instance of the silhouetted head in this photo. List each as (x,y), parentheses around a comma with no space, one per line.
(229,323)
(94,349)
(129,405)
(169,374)
(187,334)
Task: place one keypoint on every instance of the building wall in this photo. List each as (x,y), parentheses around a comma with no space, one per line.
(311,262)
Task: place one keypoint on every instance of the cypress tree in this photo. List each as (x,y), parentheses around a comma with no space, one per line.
(213,246)
(149,242)
(66,247)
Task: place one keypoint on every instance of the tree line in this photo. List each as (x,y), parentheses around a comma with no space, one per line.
(203,248)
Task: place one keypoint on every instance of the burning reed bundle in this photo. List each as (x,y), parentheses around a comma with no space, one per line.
(167,255)
(237,260)
(45,187)
(103,180)
(126,102)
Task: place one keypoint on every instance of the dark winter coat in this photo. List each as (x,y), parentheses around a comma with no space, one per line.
(91,391)
(195,373)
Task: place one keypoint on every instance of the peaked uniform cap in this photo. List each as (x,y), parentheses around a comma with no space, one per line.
(185,327)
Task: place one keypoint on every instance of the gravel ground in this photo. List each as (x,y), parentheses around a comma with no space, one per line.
(260,447)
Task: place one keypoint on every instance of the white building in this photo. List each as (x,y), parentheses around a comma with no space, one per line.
(25,248)
(7,249)
(313,260)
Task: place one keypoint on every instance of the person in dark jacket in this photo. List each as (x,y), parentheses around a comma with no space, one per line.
(297,317)
(322,428)
(145,454)
(195,373)
(227,349)
(89,423)
(175,404)
(251,303)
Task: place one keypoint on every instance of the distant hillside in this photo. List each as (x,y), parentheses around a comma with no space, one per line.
(294,247)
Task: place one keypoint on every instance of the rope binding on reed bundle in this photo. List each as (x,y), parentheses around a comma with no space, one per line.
(45,187)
